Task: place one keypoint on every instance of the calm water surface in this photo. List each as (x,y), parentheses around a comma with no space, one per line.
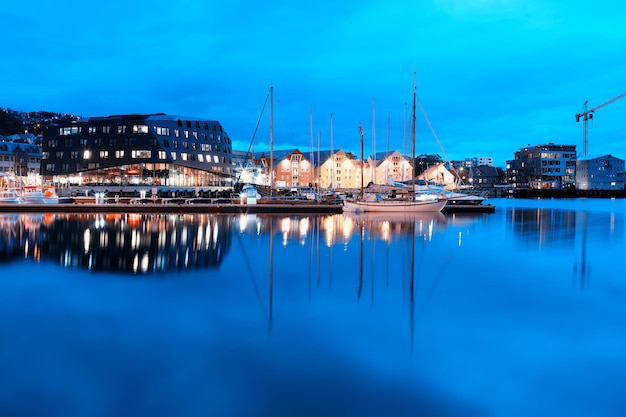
(517,313)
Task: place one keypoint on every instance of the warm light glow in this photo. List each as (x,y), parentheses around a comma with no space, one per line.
(347,227)
(86,240)
(304,227)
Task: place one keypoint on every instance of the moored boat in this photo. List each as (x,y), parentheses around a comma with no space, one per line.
(9,196)
(418,204)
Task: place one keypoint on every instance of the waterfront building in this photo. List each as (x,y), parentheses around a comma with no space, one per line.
(342,170)
(154,149)
(483,176)
(604,172)
(293,170)
(543,166)
(19,162)
(391,164)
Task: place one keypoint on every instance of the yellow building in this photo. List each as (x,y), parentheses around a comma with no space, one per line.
(342,170)
(392,164)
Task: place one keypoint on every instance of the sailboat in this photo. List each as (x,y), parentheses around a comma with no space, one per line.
(415,202)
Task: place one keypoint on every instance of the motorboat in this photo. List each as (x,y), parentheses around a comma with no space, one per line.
(31,195)
(9,196)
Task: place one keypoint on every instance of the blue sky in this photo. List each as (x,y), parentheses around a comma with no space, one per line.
(492,75)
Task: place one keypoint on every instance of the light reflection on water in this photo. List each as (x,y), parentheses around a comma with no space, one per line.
(515,313)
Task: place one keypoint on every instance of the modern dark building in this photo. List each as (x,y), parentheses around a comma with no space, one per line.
(155,149)
(543,166)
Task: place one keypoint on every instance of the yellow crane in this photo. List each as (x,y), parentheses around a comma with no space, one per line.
(587,114)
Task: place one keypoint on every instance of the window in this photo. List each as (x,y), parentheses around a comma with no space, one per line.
(200,157)
(162,131)
(74,155)
(162,155)
(73,130)
(91,130)
(121,129)
(104,154)
(173,156)
(82,142)
(177,133)
(106,129)
(119,154)
(87,154)
(141,154)
(140,129)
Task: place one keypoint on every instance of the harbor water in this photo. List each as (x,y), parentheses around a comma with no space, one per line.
(516,313)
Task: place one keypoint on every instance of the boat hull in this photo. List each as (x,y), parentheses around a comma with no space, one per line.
(395,206)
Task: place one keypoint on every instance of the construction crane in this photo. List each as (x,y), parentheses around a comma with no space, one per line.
(587,115)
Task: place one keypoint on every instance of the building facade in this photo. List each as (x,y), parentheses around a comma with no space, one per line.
(604,172)
(391,165)
(293,170)
(543,166)
(19,163)
(155,149)
(341,170)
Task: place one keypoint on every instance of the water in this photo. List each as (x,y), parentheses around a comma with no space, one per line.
(515,313)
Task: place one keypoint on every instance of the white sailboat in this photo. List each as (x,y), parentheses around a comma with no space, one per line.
(415,202)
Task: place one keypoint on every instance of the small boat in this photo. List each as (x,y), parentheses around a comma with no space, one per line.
(31,195)
(9,196)
(249,194)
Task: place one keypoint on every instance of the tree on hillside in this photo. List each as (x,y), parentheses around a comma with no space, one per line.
(9,124)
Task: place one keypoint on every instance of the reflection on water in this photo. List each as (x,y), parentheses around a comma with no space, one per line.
(506,314)
(153,243)
(133,243)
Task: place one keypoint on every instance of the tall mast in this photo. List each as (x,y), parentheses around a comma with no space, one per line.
(362,157)
(374,140)
(312,170)
(413,123)
(332,162)
(319,161)
(271,140)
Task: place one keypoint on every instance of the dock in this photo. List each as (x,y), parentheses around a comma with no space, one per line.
(202,206)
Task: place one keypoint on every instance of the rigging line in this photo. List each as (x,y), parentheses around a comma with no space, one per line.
(430,126)
(256,129)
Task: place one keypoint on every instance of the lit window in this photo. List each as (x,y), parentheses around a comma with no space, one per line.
(141,154)
(140,129)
